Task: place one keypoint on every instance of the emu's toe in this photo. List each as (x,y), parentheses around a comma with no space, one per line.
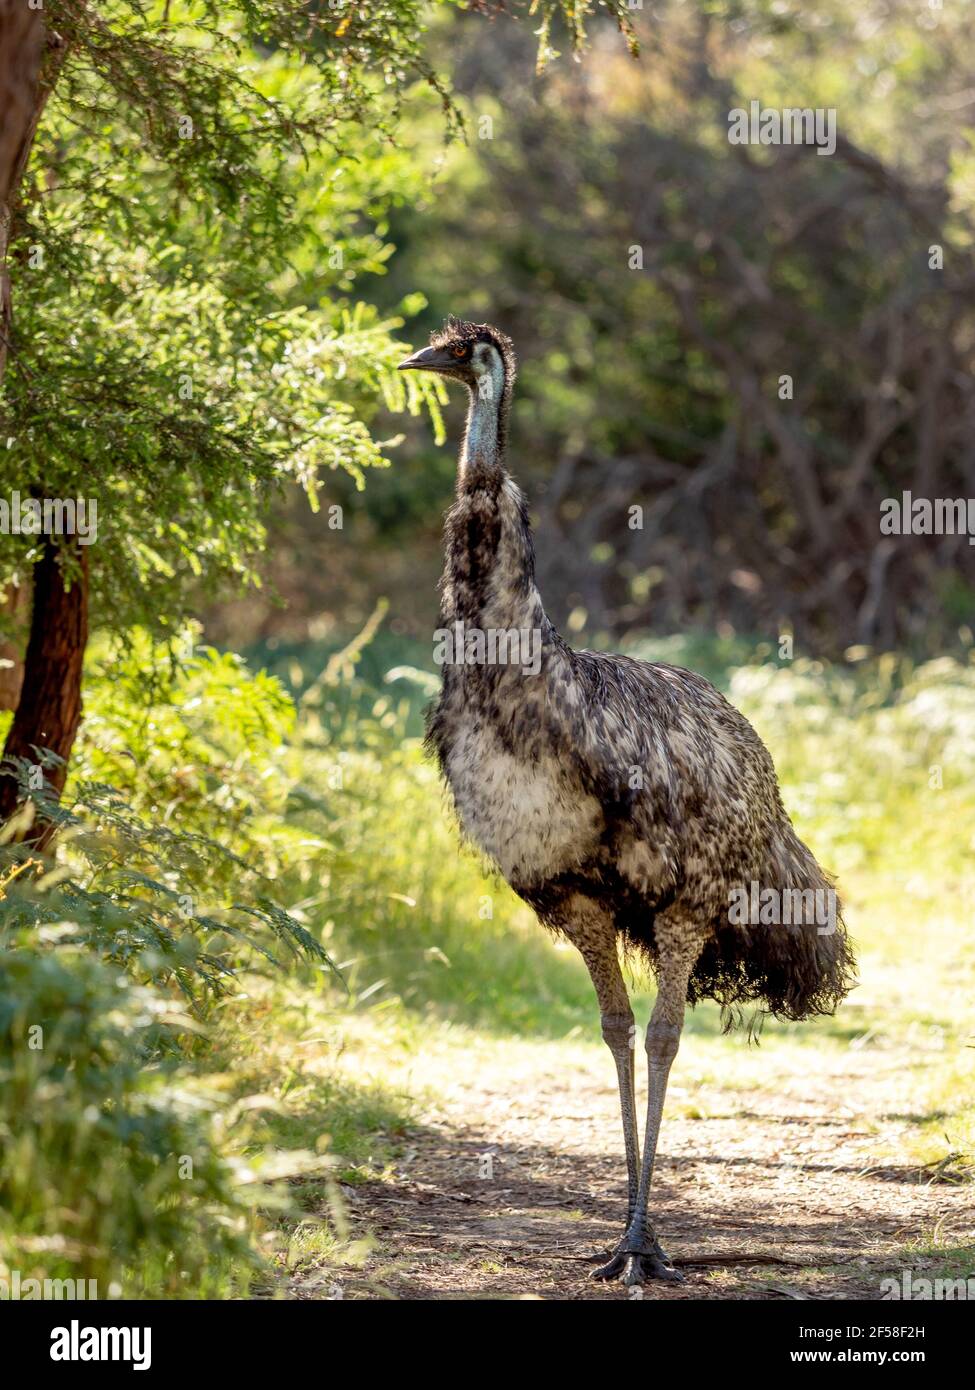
(638,1263)
(613,1269)
(640,1268)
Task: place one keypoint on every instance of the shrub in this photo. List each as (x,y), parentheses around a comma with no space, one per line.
(109,1165)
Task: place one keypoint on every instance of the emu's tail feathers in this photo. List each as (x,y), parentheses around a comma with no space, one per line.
(786,949)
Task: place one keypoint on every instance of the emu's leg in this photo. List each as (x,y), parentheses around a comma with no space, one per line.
(592,931)
(640,1255)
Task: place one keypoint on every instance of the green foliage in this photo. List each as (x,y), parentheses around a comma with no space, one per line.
(120,951)
(169,839)
(107,1162)
(207,186)
(187,214)
(188,734)
(148,897)
(574,17)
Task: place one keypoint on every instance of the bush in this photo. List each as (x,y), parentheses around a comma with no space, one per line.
(171,831)
(115,1165)
(109,1166)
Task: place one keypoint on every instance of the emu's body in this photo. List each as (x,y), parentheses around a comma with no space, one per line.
(620,798)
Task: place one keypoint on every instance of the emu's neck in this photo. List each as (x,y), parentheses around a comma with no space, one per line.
(488,577)
(484,441)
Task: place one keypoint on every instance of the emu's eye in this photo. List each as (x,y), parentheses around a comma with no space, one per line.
(458,350)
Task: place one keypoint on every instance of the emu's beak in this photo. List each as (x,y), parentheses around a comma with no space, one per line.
(428,359)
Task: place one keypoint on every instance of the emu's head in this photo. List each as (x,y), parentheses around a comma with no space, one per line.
(476,354)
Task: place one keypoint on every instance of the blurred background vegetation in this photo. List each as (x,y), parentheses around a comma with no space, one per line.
(257,907)
(658,386)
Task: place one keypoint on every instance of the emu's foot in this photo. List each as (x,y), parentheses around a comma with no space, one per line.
(638,1261)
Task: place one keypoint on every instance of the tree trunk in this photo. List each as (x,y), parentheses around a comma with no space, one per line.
(30,61)
(15,603)
(49,710)
(22,99)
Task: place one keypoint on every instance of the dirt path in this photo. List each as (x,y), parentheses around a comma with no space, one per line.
(777,1192)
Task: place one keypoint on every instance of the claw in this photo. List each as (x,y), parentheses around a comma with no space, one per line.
(639,1264)
(640,1268)
(610,1270)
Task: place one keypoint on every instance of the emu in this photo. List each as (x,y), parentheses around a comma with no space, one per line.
(624,800)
